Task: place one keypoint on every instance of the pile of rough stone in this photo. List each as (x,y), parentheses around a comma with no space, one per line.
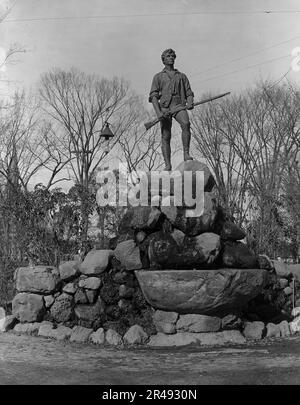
(89,302)
(207,287)
(97,292)
(167,237)
(172,330)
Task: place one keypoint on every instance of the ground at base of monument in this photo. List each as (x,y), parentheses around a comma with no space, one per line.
(35,360)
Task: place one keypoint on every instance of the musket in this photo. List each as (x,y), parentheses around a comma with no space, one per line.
(150,124)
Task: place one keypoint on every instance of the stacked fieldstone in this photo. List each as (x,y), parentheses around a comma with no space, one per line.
(95,301)
(45,306)
(278,298)
(179,330)
(97,292)
(168,279)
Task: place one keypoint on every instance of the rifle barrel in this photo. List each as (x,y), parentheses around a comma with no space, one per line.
(211,99)
(150,124)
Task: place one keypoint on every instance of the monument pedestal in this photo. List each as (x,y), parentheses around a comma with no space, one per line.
(208,292)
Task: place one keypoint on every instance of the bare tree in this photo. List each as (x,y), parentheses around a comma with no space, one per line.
(250,138)
(14,49)
(79,105)
(22,140)
(214,140)
(141,149)
(291,199)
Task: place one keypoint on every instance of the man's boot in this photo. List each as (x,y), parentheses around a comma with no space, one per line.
(186,139)
(166,151)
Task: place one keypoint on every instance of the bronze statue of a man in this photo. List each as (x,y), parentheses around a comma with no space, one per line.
(171,89)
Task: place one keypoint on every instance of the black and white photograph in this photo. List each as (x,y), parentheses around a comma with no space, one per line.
(149,196)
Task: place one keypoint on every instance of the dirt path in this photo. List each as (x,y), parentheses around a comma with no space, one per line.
(35,360)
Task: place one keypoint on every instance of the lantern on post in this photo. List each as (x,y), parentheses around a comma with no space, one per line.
(106,134)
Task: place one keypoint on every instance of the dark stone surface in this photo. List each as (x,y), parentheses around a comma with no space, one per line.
(193,226)
(265,262)
(231,231)
(62,309)
(211,292)
(238,255)
(140,219)
(80,296)
(90,312)
(194,252)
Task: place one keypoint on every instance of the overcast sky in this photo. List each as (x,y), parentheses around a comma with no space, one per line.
(56,33)
(212,39)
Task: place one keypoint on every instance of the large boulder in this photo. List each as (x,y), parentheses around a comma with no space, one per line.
(295,325)
(273,330)
(191,252)
(284,329)
(96,262)
(70,288)
(208,292)
(113,338)
(187,338)
(182,179)
(31,328)
(198,323)
(90,283)
(46,329)
(80,296)
(49,300)
(193,225)
(128,254)
(140,218)
(177,339)
(28,307)
(80,334)
(287,270)
(98,337)
(195,166)
(39,279)
(231,231)
(282,269)
(178,236)
(90,313)
(62,333)
(162,183)
(62,309)
(165,321)
(238,255)
(163,251)
(231,322)
(68,270)
(254,330)
(200,250)
(221,338)
(135,335)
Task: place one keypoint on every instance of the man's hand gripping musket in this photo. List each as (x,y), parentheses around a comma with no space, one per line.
(173,111)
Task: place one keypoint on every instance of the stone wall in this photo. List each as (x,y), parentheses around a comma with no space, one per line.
(99,301)
(207,287)
(97,292)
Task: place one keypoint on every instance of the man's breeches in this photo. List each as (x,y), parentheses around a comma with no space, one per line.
(182,118)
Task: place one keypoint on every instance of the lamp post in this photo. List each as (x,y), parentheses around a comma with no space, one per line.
(106,134)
